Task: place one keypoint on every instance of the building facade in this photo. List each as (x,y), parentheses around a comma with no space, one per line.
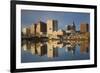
(32,29)
(52,25)
(26,31)
(41,28)
(84,27)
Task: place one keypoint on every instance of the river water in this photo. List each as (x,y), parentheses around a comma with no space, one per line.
(54,50)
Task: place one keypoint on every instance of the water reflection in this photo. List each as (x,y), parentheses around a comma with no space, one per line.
(54,50)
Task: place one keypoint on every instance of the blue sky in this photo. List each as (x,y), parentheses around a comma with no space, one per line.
(64,18)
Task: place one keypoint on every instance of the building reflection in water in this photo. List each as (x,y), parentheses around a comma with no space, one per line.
(50,47)
(84,47)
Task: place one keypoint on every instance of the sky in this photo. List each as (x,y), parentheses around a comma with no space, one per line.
(64,18)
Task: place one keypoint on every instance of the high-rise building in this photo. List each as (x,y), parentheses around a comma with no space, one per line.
(41,28)
(26,31)
(84,27)
(52,26)
(33,29)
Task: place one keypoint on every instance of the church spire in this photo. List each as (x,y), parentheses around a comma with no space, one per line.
(73,23)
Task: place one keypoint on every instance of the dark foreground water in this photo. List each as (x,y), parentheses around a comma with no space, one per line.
(54,50)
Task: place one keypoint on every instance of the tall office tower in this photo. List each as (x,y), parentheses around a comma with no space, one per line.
(52,25)
(32,29)
(84,27)
(26,31)
(41,28)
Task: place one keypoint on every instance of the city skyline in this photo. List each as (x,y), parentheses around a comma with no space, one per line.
(64,18)
(47,43)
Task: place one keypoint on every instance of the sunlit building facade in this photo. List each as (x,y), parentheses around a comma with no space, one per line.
(84,27)
(41,28)
(33,29)
(26,31)
(52,25)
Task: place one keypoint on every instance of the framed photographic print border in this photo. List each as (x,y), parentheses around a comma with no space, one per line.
(13,35)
